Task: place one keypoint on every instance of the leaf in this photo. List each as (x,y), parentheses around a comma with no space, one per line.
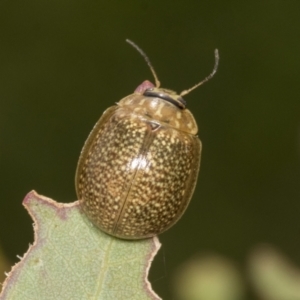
(72,259)
(3,267)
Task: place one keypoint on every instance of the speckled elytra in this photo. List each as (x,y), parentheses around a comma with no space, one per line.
(139,166)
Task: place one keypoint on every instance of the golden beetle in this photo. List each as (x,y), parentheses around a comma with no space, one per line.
(139,166)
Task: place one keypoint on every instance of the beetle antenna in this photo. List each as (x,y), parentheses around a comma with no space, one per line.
(217,58)
(157,82)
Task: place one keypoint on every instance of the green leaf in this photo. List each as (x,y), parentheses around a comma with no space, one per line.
(4,266)
(71,259)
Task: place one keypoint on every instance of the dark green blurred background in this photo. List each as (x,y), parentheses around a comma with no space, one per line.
(62,63)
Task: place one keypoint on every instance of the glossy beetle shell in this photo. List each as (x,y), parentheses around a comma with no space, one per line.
(139,166)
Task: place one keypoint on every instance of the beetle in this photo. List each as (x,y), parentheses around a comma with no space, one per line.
(139,166)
